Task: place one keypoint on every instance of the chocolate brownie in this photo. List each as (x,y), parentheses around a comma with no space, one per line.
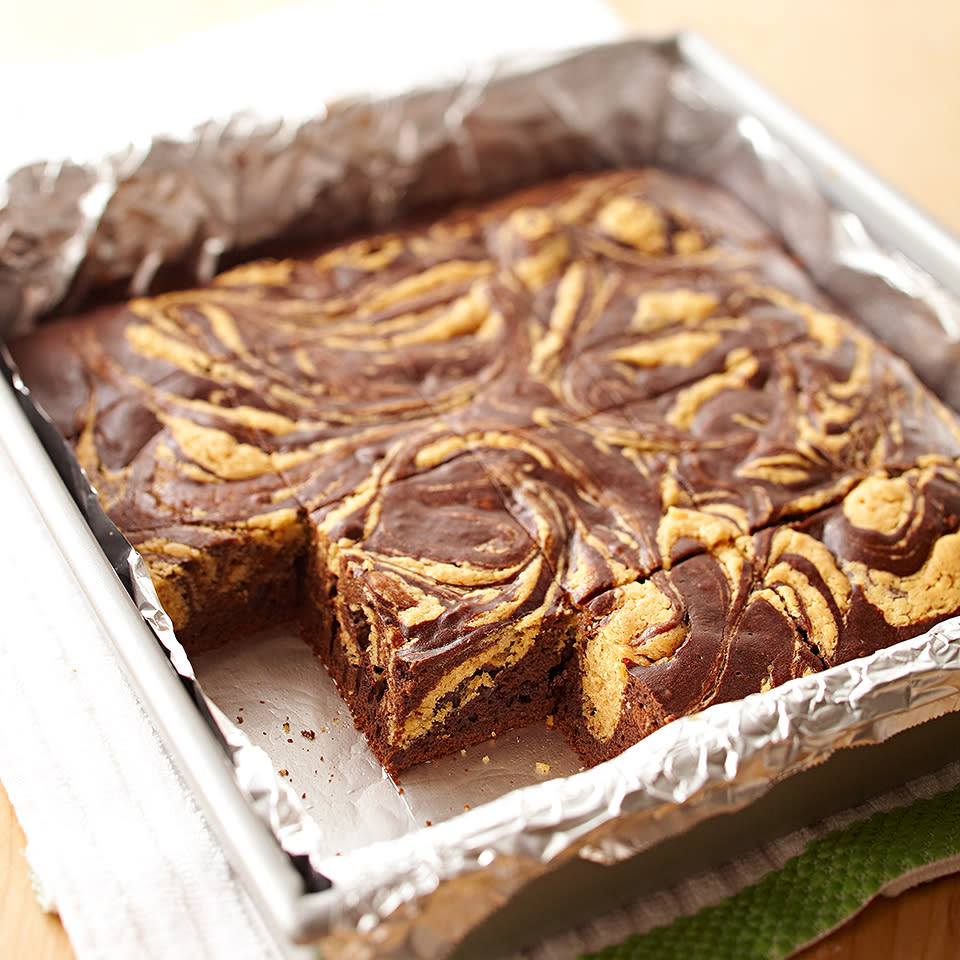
(600,449)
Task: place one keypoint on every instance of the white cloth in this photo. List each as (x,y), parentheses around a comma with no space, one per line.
(286,61)
(116,839)
(117,842)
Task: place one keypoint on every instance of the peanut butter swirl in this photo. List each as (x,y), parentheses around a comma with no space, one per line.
(598,449)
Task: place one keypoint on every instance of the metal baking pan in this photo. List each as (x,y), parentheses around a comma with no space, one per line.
(698,791)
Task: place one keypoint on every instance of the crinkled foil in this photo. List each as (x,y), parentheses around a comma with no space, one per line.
(179,209)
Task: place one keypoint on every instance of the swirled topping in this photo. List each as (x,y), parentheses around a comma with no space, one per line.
(475,591)
(759,610)
(609,413)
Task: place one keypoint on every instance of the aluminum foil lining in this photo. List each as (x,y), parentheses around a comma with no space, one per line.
(181,208)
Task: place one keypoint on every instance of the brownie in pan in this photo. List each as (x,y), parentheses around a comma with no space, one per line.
(599,450)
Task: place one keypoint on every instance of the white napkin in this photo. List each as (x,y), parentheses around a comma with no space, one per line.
(284,62)
(118,844)
(120,847)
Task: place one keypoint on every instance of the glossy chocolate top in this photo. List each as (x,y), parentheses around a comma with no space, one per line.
(613,394)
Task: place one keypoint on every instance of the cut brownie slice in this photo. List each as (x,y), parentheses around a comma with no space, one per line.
(162,427)
(221,582)
(753,612)
(438,617)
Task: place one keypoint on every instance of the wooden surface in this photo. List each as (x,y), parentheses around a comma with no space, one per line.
(882,78)
(26,932)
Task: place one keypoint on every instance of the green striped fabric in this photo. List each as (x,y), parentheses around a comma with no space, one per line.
(812,894)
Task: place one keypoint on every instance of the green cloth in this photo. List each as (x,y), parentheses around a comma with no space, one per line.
(813,893)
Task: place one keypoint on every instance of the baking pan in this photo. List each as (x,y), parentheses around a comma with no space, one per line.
(696,792)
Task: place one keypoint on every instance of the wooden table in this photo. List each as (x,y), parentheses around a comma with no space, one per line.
(882,78)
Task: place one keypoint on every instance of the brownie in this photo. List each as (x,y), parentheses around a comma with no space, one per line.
(600,449)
